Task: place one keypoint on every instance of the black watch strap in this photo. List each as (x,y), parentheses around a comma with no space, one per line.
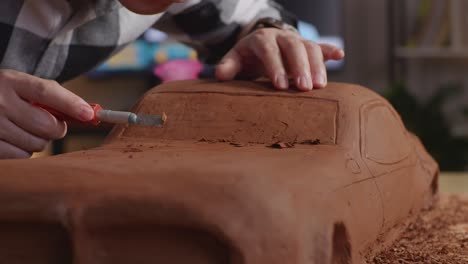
(270,22)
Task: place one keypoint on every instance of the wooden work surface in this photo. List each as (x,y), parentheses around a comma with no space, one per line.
(454,182)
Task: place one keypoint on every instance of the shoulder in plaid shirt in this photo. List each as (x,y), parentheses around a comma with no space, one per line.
(60,39)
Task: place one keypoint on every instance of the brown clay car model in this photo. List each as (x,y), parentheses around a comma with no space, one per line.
(239,174)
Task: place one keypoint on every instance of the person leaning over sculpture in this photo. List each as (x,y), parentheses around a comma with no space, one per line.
(47,42)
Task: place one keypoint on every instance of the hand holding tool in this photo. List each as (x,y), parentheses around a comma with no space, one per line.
(110,116)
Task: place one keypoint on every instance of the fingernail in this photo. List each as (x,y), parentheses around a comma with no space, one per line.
(305,82)
(341,53)
(86,113)
(320,80)
(282,81)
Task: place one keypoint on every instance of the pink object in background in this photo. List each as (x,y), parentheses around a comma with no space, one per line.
(177,70)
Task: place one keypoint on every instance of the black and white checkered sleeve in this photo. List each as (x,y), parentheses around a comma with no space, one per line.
(212,26)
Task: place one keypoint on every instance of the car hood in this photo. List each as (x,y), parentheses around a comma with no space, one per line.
(158,163)
(219,187)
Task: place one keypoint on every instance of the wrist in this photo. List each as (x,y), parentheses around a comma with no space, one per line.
(267,22)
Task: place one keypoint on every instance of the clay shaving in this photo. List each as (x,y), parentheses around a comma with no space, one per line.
(237,145)
(282,145)
(286,145)
(437,236)
(311,142)
(164,117)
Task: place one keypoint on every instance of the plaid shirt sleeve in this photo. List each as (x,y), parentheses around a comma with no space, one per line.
(212,26)
(59,40)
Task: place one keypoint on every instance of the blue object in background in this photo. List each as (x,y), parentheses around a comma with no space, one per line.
(155,36)
(136,57)
(142,56)
(308,31)
(173,51)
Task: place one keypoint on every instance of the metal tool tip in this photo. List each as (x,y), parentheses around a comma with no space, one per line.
(148,120)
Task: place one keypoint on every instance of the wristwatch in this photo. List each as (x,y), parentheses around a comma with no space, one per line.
(269,22)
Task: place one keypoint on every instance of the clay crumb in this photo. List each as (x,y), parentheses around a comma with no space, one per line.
(130,156)
(132,150)
(311,142)
(282,145)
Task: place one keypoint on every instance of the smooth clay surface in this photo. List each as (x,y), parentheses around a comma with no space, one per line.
(210,188)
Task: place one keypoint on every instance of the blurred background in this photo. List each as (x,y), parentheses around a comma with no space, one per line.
(413,52)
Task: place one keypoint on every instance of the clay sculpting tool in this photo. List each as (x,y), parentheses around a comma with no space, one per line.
(110,116)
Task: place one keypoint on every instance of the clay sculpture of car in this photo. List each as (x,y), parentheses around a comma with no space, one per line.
(240,174)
